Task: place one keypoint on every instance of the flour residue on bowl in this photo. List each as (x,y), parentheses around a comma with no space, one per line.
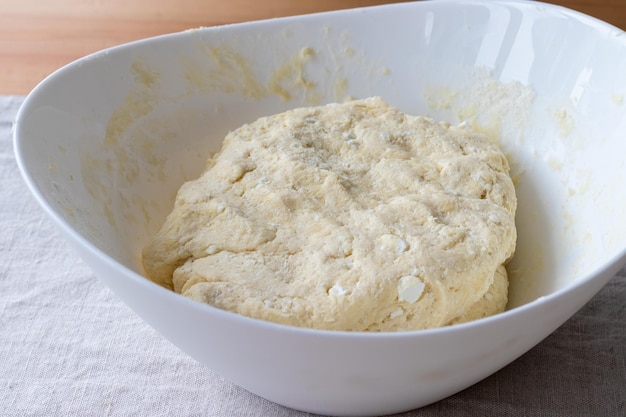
(291,77)
(230,72)
(109,172)
(306,73)
(497,109)
(564,121)
(617,99)
(222,69)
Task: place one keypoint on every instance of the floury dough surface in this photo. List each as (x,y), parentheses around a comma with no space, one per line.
(348,216)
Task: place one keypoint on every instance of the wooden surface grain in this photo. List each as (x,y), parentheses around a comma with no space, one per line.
(39,36)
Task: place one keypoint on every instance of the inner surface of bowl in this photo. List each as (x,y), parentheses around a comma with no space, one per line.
(131,124)
(106,142)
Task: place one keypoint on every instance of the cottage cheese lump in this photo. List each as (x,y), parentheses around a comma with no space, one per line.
(349,216)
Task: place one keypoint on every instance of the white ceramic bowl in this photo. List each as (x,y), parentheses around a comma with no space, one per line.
(105,142)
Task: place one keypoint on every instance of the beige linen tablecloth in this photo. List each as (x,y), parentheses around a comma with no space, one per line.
(69,347)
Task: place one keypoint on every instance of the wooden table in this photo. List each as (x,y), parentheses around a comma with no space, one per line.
(39,36)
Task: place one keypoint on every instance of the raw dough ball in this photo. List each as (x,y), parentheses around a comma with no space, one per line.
(348,216)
